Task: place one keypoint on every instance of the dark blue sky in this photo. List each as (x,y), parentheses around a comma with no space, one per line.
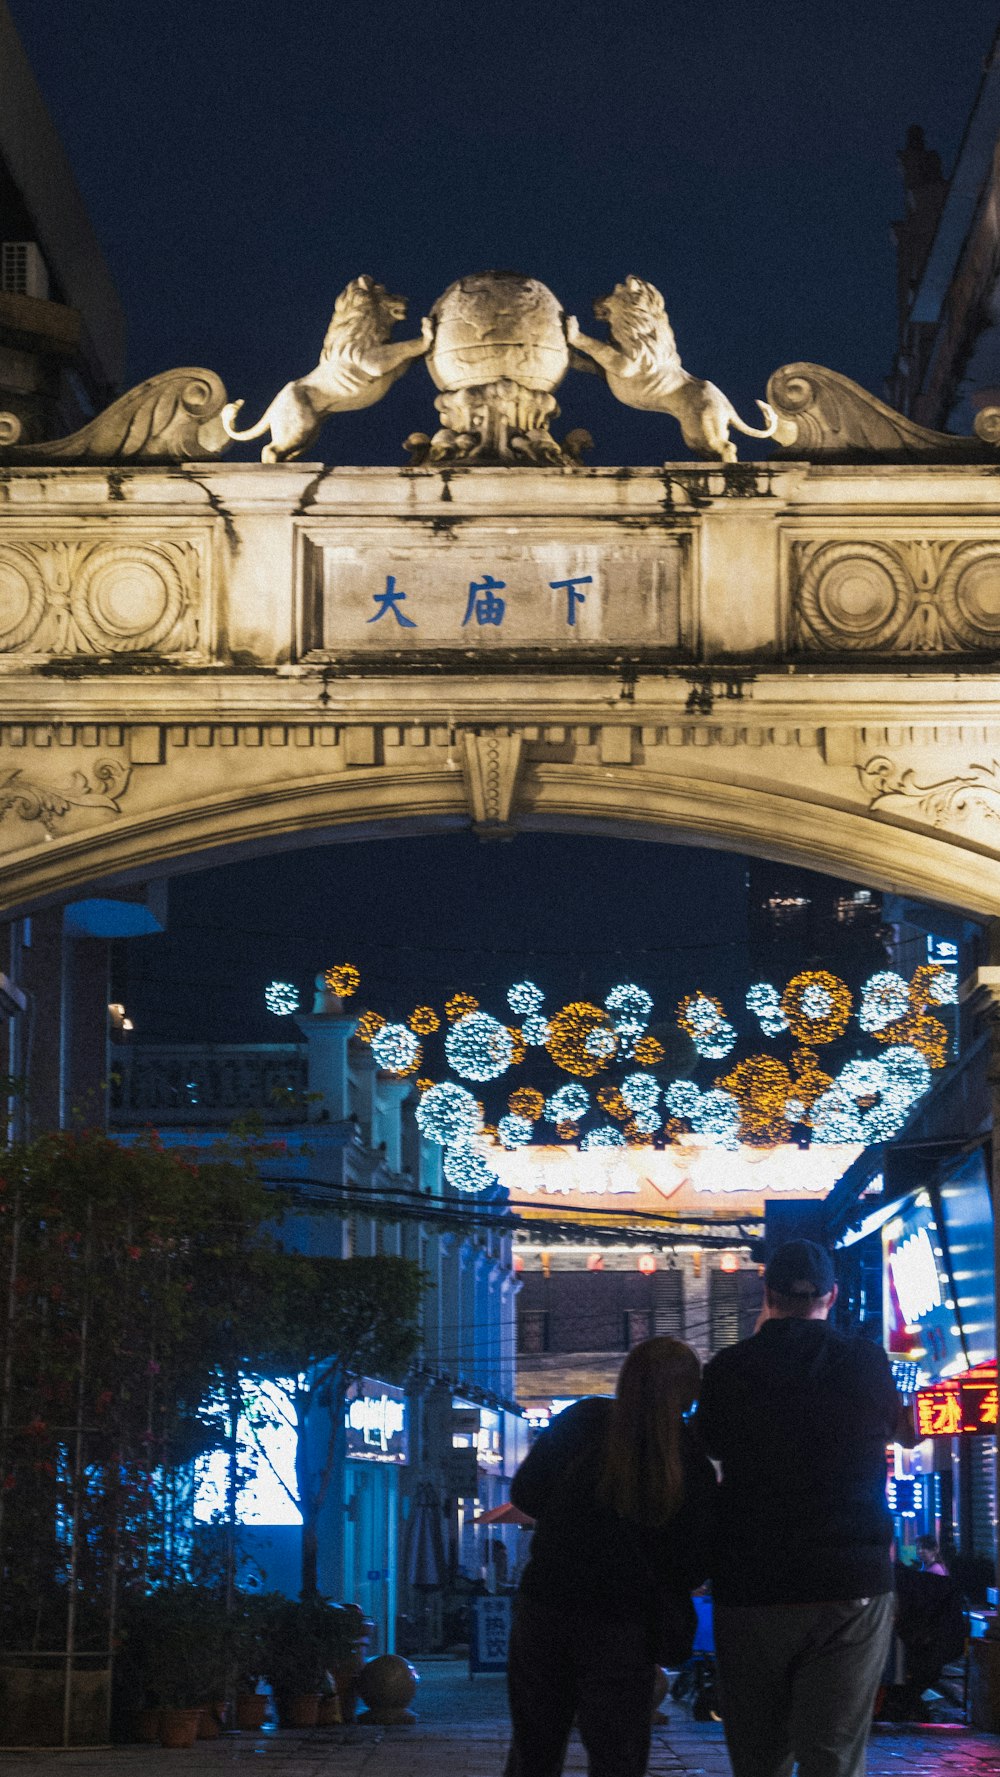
(243,159)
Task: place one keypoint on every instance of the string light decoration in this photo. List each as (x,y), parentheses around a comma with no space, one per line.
(920,1031)
(424,1020)
(645,1122)
(641,1093)
(682,1098)
(935,985)
(835,1117)
(884,998)
(424,1085)
(515,1131)
(817,1006)
(764,1001)
(466,1169)
(460,1005)
(601,1042)
(629,1003)
(717,1116)
(629,1031)
(568,1103)
(610,1099)
(567,1038)
(343,980)
(535,1030)
(649,1052)
(396,1049)
(810,1078)
(448,1114)
(603,1137)
(527,1101)
(762,1087)
(702,1017)
(369,1024)
(518,1046)
(524,998)
(281,998)
(566,1131)
(479,1047)
(908,1068)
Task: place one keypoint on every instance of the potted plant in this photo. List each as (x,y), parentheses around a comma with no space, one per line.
(175,1649)
(304,1642)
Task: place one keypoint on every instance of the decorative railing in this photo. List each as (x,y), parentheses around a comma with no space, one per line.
(208,1084)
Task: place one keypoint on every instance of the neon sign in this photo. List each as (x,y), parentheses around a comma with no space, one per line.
(915,1276)
(959,1405)
(375,1422)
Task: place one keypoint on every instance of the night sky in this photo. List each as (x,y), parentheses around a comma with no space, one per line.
(242,160)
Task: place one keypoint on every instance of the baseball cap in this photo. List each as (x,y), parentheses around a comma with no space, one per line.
(800,1268)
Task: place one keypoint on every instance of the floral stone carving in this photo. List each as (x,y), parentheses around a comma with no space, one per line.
(824,417)
(907,596)
(499,351)
(174,417)
(32,800)
(972,799)
(121,597)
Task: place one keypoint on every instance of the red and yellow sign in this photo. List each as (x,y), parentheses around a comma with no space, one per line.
(957,1404)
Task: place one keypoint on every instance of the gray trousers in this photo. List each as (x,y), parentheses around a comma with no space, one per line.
(798,1683)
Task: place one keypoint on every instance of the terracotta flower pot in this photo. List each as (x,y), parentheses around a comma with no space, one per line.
(179,1727)
(251,1711)
(300,1711)
(147,1725)
(345,1676)
(330,1714)
(212,1717)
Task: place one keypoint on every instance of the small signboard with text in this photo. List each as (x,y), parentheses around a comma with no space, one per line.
(490,1633)
(375,1427)
(959,1404)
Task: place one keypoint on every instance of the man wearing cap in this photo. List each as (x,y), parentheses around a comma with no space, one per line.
(799,1417)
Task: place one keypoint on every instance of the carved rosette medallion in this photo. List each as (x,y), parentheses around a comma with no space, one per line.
(903,597)
(499,351)
(122,597)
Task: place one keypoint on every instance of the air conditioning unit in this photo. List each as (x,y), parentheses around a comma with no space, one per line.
(23,271)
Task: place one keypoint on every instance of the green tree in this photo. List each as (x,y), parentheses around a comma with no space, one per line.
(330,1320)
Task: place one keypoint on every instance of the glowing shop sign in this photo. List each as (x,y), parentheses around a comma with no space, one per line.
(375,1422)
(915,1276)
(959,1405)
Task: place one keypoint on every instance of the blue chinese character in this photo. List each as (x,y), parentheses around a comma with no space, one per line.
(573,598)
(390,600)
(484,603)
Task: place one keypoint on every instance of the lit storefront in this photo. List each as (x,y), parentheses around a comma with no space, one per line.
(376,1446)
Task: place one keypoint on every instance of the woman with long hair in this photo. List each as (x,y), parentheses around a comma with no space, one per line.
(622,1502)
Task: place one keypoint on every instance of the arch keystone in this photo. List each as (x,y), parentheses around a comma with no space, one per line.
(491,764)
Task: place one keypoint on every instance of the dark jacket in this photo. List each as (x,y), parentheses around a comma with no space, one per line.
(587,1560)
(799,1417)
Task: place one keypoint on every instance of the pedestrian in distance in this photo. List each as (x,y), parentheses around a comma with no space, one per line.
(799,1416)
(622,1501)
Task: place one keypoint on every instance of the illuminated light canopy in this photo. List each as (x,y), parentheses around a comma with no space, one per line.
(601,1042)
(795,1110)
(942,984)
(649,1052)
(448,1114)
(629,1002)
(717,1115)
(835,1117)
(810,1078)
(762,1087)
(424,1020)
(479,1047)
(281,998)
(610,1099)
(535,1031)
(884,1120)
(702,1017)
(369,1024)
(646,1122)
(919,1031)
(343,980)
(764,1001)
(524,998)
(629,1032)
(518,1046)
(396,1049)
(460,1005)
(884,998)
(863,1079)
(908,1068)
(604,1137)
(515,1131)
(569,1029)
(568,1103)
(466,1169)
(817,1006)
(682,1098)
(641,1093)
(424,1085)
(527,1101)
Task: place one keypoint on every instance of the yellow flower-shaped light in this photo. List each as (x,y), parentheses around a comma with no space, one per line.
(519,1047)
(762,1086)
(459,1005)
(424,1020)
(528,1102)
(343,980)
(369,1024)
(649,1051)
(817,1006)
(567,1038)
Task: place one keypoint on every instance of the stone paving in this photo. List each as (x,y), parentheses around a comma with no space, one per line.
(462,1732)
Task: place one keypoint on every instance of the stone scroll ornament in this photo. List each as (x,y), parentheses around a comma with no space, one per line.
(171,418)
(824,417)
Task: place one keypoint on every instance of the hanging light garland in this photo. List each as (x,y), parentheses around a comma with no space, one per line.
(448,1114)
(649,1052)
(764,1001)
(460,1005)
(527,1101)
(467,1169)
(396,1049)
(479,1047)
(343,980)
(567,1038)
(369,1024)
(281,998)
(515,1131)
(817,1006)
(603,1137)
(762,1087)
(524,998)
(535,1030)
(518,1046)
(424,1020)
(567,1104)
(884,998)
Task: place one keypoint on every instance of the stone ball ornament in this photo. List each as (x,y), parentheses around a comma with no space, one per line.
(497,325)
(387,1686)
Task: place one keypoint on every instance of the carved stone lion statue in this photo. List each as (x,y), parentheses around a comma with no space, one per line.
(356,368)
(643,369)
